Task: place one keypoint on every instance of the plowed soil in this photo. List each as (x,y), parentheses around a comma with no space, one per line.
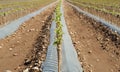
(20,50)
(97,51)
(106,16)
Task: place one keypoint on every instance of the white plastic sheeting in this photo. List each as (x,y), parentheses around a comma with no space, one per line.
(51,62)
(70,62)
(14,25)
(102,21)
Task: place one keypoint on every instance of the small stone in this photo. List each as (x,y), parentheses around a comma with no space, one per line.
(10,49)
(13,46)
(39,62)
(8,71)
(74,43)
(43,21)
(26,70)
(43,47)
(78,53)
(27,62)
(84,58)
(98,60)
(0,47)
(18,41)
(18,67)
(91,65)
(19,37)
(111,70)
(37,30)
(2,44)
(15,54)
(32,29)
(90,71)
(78,41)
(39,53)
(40,70)
(117,65)
(33,17)
(112,55)
(90,51)
(24,25)
(34,69)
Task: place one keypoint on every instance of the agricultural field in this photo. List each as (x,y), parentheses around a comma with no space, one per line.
(13,9)
(106,9)
(59,36)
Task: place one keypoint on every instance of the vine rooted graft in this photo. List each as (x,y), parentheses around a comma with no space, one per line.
(58,34)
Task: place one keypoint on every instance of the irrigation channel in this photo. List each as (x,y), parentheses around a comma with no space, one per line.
(79,49)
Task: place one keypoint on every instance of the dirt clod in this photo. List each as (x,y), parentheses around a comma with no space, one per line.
(15,54)
(8,71)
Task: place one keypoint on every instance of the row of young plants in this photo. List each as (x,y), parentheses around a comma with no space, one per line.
(110,3)
(17,6)
(59,34)
(97,8)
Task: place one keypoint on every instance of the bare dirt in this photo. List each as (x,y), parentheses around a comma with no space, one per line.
(21,49)
(98,48)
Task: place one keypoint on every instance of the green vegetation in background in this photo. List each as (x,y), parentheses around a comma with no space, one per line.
(59,34)
(101,2)
(18,5)
(88,5)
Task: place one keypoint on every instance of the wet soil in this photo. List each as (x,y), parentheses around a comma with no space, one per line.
(98,48)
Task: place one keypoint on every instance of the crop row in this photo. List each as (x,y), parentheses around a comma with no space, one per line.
(113,12)
(12,7)
(59,33)
(114,3)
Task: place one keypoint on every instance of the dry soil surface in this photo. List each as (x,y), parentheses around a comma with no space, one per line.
(21,49)
(97,51)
